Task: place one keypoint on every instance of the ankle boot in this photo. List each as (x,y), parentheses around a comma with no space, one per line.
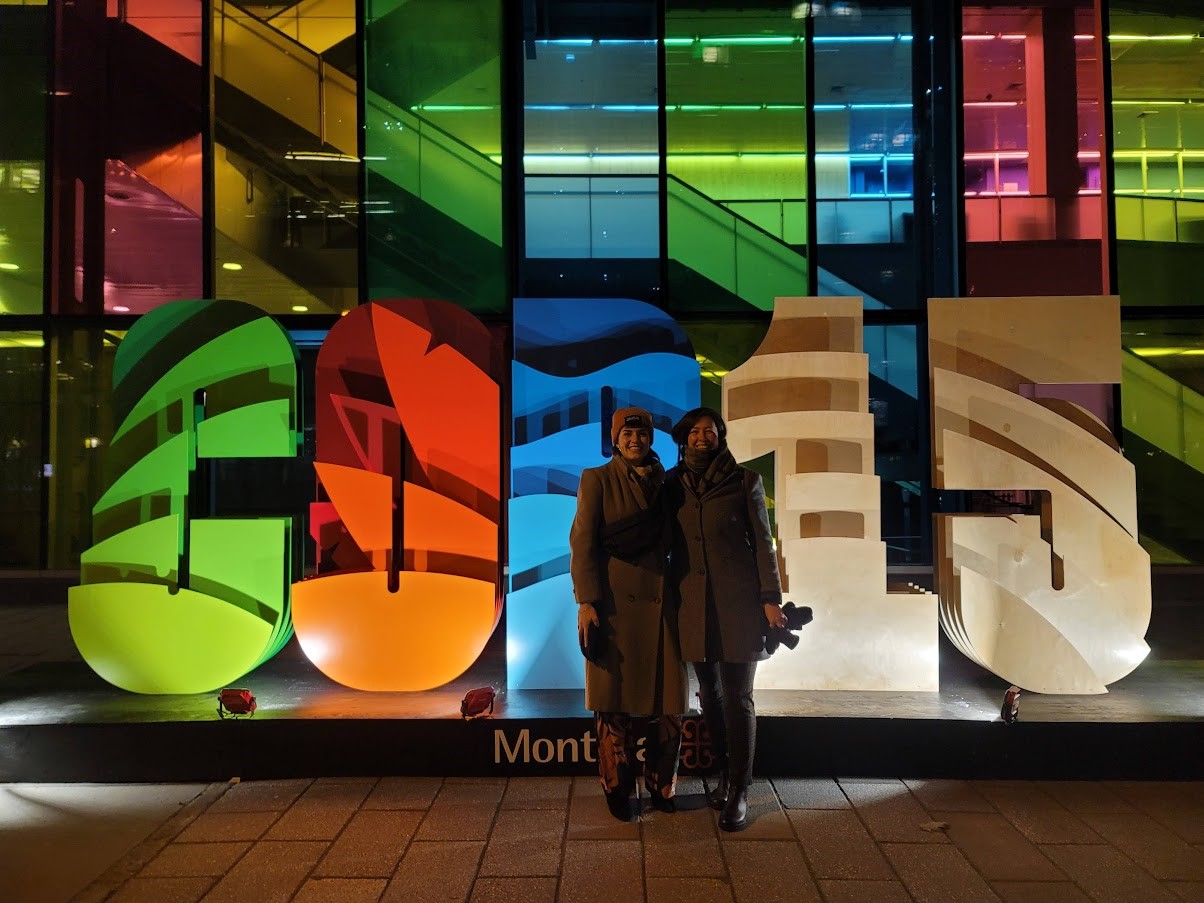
(620,806)
(718,795)
(734,816)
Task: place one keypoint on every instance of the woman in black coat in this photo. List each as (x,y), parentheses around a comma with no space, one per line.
(726,571)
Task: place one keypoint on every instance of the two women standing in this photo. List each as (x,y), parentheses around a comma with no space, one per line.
(670,568)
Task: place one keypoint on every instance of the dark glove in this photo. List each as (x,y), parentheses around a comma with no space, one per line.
(796,618)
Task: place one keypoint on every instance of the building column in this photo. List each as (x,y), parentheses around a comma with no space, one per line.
(1053,116)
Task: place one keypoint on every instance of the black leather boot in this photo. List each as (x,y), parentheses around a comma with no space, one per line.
(734,816)
(718,795)
(620,806)
(662,804)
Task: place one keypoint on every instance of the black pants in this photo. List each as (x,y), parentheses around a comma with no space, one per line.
(726,691)
(618,758)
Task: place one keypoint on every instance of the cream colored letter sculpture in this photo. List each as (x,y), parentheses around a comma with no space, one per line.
(1056,603)
(804,397)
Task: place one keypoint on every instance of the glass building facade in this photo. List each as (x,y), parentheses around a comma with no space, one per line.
(703,157)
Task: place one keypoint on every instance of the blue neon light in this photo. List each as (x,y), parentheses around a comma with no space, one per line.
(857,39)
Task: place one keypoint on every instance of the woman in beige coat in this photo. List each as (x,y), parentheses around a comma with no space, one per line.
(636,682)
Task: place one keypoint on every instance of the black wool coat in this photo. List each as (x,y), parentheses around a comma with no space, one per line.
(722,548)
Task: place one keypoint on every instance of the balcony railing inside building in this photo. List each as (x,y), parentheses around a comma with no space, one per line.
(1160,219)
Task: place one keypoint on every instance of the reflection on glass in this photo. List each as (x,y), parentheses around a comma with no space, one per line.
(285,161)
(126,111)
(1162,402)
(22,155)
(81,426)
(1032,129)
(22,412)
(736,155)
(433,152)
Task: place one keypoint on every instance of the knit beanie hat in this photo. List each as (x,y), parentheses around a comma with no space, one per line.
(634,417)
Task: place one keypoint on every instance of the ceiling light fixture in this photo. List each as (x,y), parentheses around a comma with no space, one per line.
(320,157)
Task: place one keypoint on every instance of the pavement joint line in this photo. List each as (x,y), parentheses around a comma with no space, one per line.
(141,854)
(798,841)
(339,833)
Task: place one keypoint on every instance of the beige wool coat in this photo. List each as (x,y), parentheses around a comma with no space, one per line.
(641,670)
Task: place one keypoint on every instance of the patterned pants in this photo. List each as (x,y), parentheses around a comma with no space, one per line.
(618,758)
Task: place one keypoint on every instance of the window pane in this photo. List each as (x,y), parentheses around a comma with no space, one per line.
(433,151)
(898,419)
(81,427)
(590,157)
(22,411)
(736,133)
(1162,403)
(127,205)
(285,160)
(865,155)
(1032,128)
(1158,139)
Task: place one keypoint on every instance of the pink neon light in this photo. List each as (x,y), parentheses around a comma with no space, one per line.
(1002,155)
(991,103)
(978,37)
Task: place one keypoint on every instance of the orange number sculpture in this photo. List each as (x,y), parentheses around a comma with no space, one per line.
(409,460)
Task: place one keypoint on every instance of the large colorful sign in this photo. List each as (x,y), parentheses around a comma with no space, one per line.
(407,525)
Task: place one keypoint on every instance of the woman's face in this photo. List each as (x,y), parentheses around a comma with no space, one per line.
(704,435)
(634,442)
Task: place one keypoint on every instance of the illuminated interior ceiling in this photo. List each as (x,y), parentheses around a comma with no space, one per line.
(994,70)
(1169,68)
(1175,346)
(877,70)
(716,81)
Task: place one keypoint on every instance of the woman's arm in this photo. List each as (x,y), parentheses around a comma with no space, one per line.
(585,543)
(767,557)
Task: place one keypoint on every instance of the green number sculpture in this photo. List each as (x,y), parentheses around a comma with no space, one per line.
(171,603)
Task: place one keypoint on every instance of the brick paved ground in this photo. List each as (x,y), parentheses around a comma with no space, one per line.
(417,839)
(347,840)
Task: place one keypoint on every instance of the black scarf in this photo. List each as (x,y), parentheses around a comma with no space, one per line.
(703,470)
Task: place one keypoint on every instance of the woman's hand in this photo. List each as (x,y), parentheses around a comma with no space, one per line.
(586,615)
(773,614)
